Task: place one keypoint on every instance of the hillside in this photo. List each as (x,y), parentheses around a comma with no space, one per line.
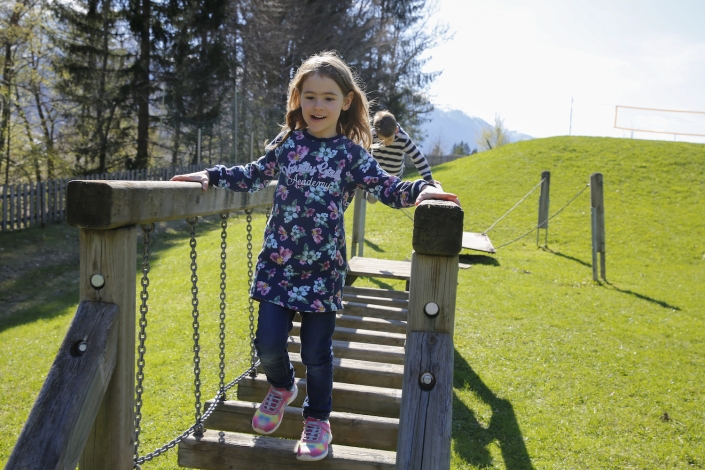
(552,370)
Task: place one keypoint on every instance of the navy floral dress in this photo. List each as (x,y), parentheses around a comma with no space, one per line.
(303,261)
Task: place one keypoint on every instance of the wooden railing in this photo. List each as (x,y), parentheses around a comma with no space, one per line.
(85,410)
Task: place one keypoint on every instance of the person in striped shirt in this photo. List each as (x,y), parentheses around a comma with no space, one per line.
(389,146)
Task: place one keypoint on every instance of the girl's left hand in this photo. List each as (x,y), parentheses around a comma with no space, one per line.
(431,192)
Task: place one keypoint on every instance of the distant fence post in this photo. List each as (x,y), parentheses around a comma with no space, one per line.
(358,231)
(544,200)
(427,391)
(597,213)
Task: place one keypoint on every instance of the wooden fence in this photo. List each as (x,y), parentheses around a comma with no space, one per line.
(30,204)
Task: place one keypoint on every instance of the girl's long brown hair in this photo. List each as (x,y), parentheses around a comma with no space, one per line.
(354,122)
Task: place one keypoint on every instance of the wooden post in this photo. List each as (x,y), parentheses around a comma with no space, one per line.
(427,391)
(544,200)
(597,213)
(111,255)
(359,215)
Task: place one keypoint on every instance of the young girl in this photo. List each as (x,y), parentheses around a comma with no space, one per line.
(318,163)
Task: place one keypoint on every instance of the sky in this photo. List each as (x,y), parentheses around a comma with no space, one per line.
(527,60)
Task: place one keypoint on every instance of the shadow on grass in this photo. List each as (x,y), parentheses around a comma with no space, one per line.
(558,253)
(479,259)
(612,286)
(380,283)
(374,246)
(640,296)
(472,439)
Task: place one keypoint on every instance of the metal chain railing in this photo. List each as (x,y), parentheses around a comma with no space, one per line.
(223,275)
(251,308)
(141,349)
(197,426)
(196,333)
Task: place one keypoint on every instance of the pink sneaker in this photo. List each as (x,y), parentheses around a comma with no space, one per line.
(314,440)
(270,413)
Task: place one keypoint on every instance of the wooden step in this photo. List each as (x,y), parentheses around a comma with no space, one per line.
(350,398)
(378,311)
(374,292)
(359,351)
(371,323)
(358,372)
(361,336)
(227,450)
(368,299)
(348,429)
(381,268)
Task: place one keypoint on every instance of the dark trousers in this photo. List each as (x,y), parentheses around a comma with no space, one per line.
(273,327)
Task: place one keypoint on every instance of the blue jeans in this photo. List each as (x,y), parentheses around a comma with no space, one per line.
(273,327)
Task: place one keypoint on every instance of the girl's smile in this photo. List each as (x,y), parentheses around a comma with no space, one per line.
(322,101)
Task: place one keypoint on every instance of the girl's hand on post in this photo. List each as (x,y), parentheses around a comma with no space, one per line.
(431,192)
(198,177)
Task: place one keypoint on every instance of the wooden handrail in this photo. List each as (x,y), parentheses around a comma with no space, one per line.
(111,204)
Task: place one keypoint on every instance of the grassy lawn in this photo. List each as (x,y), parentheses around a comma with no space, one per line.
(552,369)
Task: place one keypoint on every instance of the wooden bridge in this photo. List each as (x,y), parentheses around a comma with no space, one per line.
(393,366)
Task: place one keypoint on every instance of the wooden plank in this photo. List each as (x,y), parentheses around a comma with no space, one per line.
(350,398)
(348,429)
(371,323)
(358,372)
(358,351)
(597,203)
(374,292)
(368,299)
(362,336)
(62,416)
(371,310)
(381,268)
(235,450)
(426,415)
(111,204)
(111,253)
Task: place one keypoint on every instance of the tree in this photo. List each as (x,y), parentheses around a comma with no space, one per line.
(461,148)
(494,136)
(94,67)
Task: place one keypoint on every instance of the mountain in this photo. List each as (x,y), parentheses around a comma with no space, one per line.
(451,126)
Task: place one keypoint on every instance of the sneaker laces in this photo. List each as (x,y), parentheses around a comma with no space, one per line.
(272,401)
(312,432)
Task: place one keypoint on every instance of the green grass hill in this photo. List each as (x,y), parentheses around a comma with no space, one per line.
(552,369)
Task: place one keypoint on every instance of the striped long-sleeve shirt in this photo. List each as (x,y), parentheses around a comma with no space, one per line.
(391,157)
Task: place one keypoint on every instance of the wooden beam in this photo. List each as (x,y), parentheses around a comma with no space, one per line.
(112,255)
(63,414)
(427,388)
(112,204)
(234,450)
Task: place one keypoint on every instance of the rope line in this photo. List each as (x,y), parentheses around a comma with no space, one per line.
(546,221)
(515,206)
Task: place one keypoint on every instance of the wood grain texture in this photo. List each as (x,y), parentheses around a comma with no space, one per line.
(358,372)
(111,253)
(374,292)
(349,429)
(359,335)
(383,268)
(426,416)
(371,310)
(239,451)
(351,398)
(438,228)
(112,204)
(359,351)
(56,431)
(433,279)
